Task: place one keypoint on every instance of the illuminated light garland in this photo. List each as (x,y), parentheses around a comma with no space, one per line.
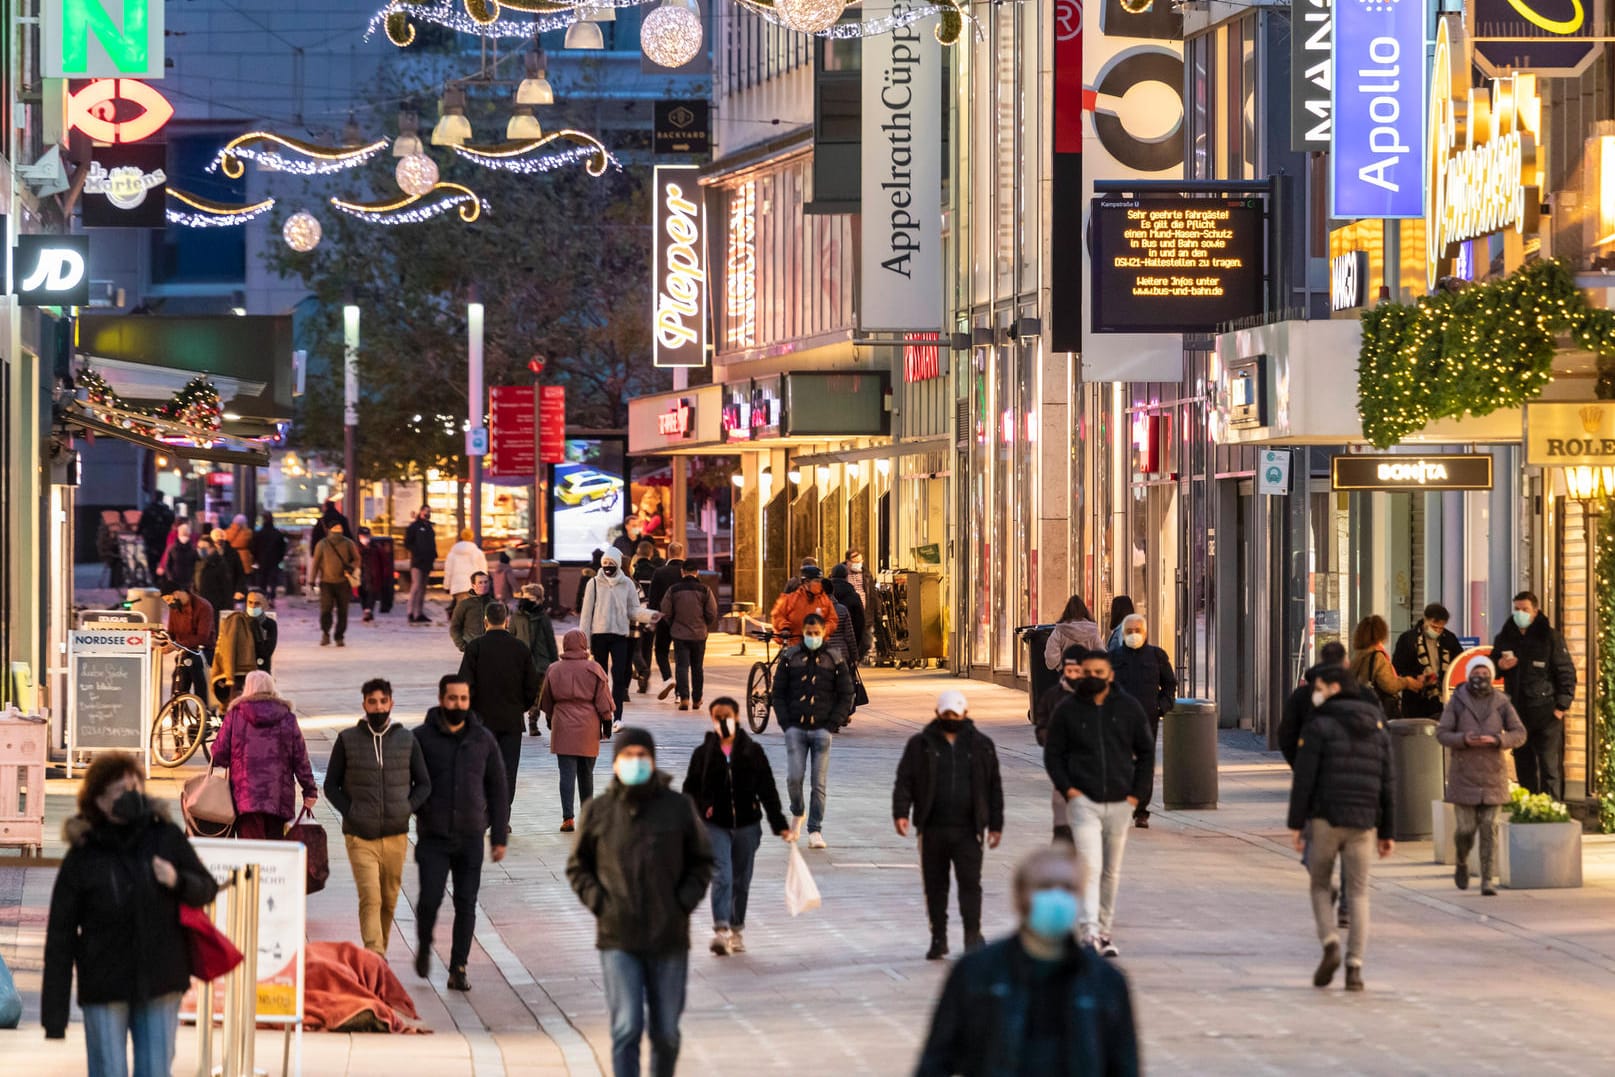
(196,406)
(515,156)
(413,209)
(949,28)
(320,159)
(671,36)
(206,213)
(543,15)
(302,231)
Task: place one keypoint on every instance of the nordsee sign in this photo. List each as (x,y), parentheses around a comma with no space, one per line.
(900,271)
(1377,158)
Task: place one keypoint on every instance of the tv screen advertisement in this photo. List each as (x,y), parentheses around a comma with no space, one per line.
(588,499)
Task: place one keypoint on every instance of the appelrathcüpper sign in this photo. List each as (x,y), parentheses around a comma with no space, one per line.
(1401,471)
(1570,434)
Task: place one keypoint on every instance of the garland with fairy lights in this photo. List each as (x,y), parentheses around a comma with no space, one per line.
(196,405)
(1603,764)
(1474,350)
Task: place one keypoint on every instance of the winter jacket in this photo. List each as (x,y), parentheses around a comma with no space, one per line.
(1298,712)
(1146,675)
(420,539)
(467,773)
(239,538)
(156,520)
(470,618)
(609,602)
(265,637)
(376,781)
(735,790)
(1478,775)
(665,578)
(193,625)
(113,922)
(1411,659)
(372,567)
(334,558)
(577,699)
(1104,751)
(812,689)
(178,564)
(269,547)
(689,609)
(1545,679)
(979,1027)
(1047,703)
(464,560)
(844,640)
(792,608)
(1084,633)
(641,865)
(842,590)
(263,746)
(236,653)
(530,623)
(915,788)
(1343,769)
(504,684)
(217,578)
(1375,669)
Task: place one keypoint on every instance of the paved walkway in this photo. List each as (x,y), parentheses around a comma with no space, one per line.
(1213,922)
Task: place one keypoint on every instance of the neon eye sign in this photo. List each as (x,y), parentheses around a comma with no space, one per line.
(118,110)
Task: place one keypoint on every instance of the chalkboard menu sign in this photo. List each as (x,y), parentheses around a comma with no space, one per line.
(109,690)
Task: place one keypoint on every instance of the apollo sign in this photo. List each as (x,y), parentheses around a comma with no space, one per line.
(1376,158)
(679,330)
(83,39)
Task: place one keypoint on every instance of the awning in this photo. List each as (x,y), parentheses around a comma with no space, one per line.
(912,447)
(226,451)
(150,356)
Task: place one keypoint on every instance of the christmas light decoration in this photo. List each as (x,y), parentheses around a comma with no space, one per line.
(671,35)
(948,31)
(206,213)
(194,407)
(537,17)
(414,208)
(517,156)
(301,231)
(320,159)
(810,16)
(416,174)
(1603,763)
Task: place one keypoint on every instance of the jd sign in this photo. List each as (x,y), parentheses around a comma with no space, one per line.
(101,39)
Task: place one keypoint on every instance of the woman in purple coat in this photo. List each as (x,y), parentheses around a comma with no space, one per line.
(262,746)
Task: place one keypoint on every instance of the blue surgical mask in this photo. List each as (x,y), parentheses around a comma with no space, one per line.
(813,643)
(1523,619)
(255,611)
(1053,913)
(635,771)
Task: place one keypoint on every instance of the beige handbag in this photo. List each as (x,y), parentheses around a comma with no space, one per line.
(206,798)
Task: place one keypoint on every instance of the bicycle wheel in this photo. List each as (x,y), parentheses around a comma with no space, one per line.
(759,695)
(177,731)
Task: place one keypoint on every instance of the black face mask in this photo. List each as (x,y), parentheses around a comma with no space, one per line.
(454,717)
(1090,686)
(378,722)
(724,732)
(131,807)
(950,725)
(609,570)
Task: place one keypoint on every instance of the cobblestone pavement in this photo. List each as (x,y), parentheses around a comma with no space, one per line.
(1213,921)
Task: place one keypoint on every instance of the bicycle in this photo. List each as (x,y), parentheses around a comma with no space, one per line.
(185,721)
(760,681)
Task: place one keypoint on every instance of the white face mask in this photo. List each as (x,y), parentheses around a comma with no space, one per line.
(1318,698)
(1135,640)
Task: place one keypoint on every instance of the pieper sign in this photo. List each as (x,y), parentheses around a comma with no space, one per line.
(679,314)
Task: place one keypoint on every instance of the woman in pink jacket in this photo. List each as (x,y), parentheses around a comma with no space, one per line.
(262,745)
(576,703)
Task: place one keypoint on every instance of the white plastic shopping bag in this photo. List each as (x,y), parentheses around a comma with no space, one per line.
(801,892)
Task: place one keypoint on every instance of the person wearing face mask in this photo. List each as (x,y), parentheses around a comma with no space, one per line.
(1478,724)
(1426,651)
(114,919)
(246,643)
(1099,754)
(948,781)
(216,575)
(470,617)
(733,788)
(1144,672)
(468,798)
(372,571)
(641,865)
(610,603)
(1342,794)
(269,546)
(864,583)
(1536,668)
(376,779)
(262,746)
(335,566)
(812,697)
(1043,713)
(794,605)
(192,624)
(1035,1004)
(420,539)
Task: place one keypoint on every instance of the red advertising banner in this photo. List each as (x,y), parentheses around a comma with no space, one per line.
(511,452)
(1068,76)
(552,424)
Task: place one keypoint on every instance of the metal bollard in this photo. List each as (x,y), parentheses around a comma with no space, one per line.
(204,1009)
(249,970)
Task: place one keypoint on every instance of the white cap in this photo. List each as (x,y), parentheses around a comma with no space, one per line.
(1480,661)
(951,702)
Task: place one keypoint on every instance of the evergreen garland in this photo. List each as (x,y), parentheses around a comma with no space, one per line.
(196,405)
(1603,762)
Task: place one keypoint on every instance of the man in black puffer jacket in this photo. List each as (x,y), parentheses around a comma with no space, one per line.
(1540,677)
(812,698)
(1342,792)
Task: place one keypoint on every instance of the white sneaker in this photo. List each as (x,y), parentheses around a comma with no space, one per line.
(721,945)
(816,840)
(616,727)
(737,945)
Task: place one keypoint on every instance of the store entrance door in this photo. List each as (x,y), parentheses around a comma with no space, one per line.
(1574,613)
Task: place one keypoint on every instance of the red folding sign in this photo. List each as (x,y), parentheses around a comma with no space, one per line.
(552,424)
(511,452)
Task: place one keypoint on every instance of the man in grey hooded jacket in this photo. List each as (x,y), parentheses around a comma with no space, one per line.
(610,603)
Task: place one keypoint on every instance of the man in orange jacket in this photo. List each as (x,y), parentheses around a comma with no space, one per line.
(808,597)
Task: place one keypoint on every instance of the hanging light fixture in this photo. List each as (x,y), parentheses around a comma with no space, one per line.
(810,16)
(301,231)
(523,125)
(408,142)
(416,174)
(607,13)
(452,129)
(535,89)
(584,35)
(671,35)
(351,135)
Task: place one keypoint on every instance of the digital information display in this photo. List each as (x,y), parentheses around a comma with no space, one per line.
(587,499)
(1176,265)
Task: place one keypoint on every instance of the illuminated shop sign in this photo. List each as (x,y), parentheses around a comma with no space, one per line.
(740,269)
(1376,160)
(118,110)
(751,410)
(51,271)
(1490,181)
(1544,37)
(1348,280)
(1565,434)
(1449,471)
(676,422)
(101,39)
(1311,48)
(679,327)
(124,188)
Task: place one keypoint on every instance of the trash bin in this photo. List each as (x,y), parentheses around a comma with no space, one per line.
(1041,676)
(1416,759)
(147,601)
(1189,756)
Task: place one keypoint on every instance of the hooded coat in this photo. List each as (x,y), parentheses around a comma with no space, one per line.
(530,623)
(1065,634)
(464,560)
(1343,769)
(577,699)
(792,608)
(262,745)
(1478,775)
(609,602)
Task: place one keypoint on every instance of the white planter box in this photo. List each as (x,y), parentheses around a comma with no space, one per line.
(1543,856)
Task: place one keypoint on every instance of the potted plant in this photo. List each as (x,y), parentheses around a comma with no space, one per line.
(1544,843)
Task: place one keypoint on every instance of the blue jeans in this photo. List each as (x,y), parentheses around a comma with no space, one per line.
(798,743)
(733,852)
(633,982)
(577,769)
(109,1026)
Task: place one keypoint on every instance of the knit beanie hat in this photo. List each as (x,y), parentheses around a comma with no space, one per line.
(634,737)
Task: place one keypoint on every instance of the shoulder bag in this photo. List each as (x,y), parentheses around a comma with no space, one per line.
(1389,702)
(312,835)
